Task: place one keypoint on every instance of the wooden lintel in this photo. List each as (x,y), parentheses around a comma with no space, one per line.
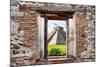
(57,16)
(56,12)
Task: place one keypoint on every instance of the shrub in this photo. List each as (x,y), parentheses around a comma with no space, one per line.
(59,48)
(55,52)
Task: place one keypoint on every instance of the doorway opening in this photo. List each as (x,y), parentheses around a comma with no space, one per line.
(56,33)
(56,38)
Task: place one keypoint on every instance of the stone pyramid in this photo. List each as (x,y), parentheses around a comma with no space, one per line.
(57,36)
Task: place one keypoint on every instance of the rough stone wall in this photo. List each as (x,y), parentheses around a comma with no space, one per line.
(25,41)
(85,34)
(23,35)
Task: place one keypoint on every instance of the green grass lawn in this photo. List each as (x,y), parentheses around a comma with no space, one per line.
(62,49)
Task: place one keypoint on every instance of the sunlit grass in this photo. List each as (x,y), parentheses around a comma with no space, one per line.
(61,47)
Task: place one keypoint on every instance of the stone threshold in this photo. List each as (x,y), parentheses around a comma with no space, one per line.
(59,59)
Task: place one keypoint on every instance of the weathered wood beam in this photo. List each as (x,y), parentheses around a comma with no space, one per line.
(55,11)
(57,16)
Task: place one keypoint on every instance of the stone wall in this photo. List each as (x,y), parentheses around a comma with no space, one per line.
(27,31)
(24,30)
(85,33)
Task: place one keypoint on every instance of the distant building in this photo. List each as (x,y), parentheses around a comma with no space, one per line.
(57,36)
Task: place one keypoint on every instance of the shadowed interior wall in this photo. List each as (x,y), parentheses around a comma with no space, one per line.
(71,38)
(41,36)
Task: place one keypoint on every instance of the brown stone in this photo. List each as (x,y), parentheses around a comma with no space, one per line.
(28,36)
(25,44)
(27,25)
(26,28)
(23,7)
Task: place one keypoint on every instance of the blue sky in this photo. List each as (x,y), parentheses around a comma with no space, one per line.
(55,23)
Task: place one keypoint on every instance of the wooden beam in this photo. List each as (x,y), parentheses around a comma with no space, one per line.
(45,40)
(53,16)
(56,12)
(57,18)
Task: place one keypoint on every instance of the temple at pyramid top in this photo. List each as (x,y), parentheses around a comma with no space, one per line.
(58,28)
(57,36)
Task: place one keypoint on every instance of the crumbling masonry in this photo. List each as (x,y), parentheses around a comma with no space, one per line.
(25,44)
